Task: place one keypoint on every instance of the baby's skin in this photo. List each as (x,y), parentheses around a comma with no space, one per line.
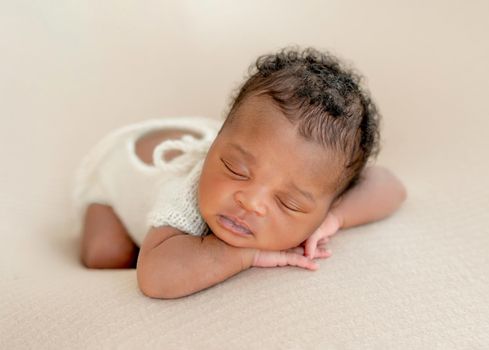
(267,195)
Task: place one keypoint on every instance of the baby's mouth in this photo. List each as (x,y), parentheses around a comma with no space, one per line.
(231,225)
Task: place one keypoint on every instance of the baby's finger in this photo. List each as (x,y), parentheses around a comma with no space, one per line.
(301,261)
(323,253)
(310,247)
(323,240)
(323,246)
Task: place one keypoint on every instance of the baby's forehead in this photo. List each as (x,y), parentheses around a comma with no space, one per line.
(322,176)
(263,131)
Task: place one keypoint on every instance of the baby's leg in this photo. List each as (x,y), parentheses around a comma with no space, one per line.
(105,241)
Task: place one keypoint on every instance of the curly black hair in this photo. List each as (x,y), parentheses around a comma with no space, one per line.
(324,98)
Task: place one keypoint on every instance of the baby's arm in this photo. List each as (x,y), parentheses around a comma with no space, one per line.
(378,195)
(172,264)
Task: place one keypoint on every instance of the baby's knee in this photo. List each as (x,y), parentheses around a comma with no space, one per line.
(109,255)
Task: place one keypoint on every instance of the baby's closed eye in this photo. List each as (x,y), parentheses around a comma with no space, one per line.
(232,169)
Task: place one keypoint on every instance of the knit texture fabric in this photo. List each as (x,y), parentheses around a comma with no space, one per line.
(177,205)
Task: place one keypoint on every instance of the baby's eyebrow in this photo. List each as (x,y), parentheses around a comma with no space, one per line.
(304,193)
(244,152)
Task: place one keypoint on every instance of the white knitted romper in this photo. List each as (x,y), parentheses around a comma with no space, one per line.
(144,195)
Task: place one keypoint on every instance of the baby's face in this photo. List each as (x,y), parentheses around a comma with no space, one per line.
(262,185)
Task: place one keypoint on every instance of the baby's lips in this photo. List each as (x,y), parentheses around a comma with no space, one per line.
(238,221)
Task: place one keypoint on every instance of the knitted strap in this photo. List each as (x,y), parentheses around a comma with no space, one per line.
(190,147)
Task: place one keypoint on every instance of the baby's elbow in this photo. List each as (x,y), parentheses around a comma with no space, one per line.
(155,284)
(396,185)
(155,289)
(146,286)
(401,193)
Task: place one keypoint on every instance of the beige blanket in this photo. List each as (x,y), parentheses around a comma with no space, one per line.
(72,71)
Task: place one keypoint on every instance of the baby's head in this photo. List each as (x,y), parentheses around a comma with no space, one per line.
(298,135)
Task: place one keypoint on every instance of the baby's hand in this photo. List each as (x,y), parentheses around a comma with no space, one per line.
(320,237)
(292,257)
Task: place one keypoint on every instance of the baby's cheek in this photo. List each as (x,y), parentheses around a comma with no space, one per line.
(299,234)
(214,201)
(282,235)
(205,202)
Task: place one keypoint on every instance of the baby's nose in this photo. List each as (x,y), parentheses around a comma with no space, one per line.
(252,201)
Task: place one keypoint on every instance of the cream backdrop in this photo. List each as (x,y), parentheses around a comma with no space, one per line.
(71,71)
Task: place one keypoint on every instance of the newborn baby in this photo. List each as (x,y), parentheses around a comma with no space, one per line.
(193,201)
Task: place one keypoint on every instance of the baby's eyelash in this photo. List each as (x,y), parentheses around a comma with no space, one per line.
(232,171)
(285,205)
(240,175)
